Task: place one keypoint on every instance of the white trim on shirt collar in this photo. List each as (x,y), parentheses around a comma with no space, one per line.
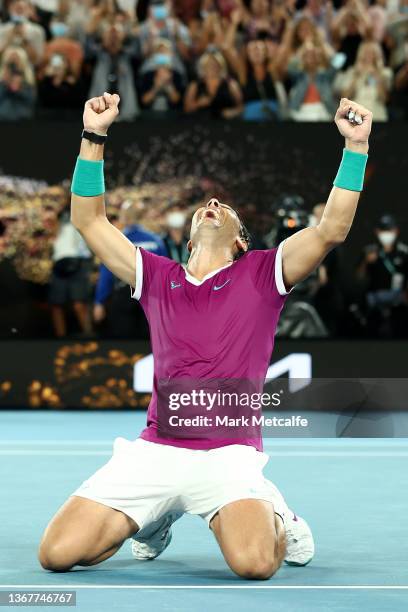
(195,281)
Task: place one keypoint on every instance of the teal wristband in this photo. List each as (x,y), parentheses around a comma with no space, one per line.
(88,178)
(351,171)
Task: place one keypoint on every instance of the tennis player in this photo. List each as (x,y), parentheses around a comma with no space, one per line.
(216,319)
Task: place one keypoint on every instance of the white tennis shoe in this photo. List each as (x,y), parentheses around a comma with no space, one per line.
(299,539)
(152,543)
(300,546)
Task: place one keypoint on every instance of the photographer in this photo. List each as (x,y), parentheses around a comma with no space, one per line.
(383,268)
(17,93)
(300,318)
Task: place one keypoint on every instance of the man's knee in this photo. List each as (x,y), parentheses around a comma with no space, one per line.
(254,563)
(55,557)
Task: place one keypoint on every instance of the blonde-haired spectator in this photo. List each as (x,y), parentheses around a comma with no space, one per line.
(214,93)
(369,81)
(312,74)
(17,91)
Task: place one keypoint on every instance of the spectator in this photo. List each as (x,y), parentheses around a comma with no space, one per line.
(321,12)
(401,92)
(368,82)
(62,44)
(58,89)
(17,92)
(19,31)
(113,69)
(209,30)
(174,238)
(214,94)
(70,284)
(260,22)
(384,270)
(349,28)
(75,13)
(260,78)
(44,11)
(161,87)
(311,94)
(123,318)
(105,13)
(161,24)
(397,34)
(378,18)
(296,34)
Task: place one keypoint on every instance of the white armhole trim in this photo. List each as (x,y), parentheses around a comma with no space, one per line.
(280,285)
(137,292)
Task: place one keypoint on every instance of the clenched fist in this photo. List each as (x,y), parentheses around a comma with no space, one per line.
(354,123)
(100,113)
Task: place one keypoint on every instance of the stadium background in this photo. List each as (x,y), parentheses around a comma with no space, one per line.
(244,163)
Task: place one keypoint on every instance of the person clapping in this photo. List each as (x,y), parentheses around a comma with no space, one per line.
(17,91)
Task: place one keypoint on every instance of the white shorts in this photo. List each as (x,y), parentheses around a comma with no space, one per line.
(146,480)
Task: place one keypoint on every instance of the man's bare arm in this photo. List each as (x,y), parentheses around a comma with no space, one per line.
(304,251)
(88,213)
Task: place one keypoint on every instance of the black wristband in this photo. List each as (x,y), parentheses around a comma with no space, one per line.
(95,138)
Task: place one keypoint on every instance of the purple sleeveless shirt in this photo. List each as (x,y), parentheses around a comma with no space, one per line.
(222,327)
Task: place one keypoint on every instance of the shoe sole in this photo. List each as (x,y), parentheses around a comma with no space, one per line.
(295,564)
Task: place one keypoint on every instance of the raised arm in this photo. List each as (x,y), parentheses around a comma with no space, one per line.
(87,203)
(304,251)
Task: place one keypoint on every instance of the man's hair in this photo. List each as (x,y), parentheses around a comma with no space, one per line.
(244,235)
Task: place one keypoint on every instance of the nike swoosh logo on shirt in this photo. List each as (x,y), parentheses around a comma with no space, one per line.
(218,287)
(174,285)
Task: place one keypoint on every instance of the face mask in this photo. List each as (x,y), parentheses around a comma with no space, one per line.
(18,19)
(160,12)
(161,59)
(58,29)
(387,238)
(176,220)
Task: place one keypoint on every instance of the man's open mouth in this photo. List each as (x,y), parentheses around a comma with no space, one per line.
(210,214)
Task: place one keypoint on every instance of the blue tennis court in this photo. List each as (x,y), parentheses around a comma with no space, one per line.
(353,493)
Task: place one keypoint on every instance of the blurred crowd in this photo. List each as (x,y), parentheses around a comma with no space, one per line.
(68,292)
(254,59)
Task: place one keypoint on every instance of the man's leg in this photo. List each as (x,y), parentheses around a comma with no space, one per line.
(58,320)
(83,532)
(251,537)
(81,311)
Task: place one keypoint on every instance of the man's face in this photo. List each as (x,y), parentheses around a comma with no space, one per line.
(218,221)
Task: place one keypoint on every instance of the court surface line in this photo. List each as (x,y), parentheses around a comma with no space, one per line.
(104,453)
(68,587)
(346,442)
